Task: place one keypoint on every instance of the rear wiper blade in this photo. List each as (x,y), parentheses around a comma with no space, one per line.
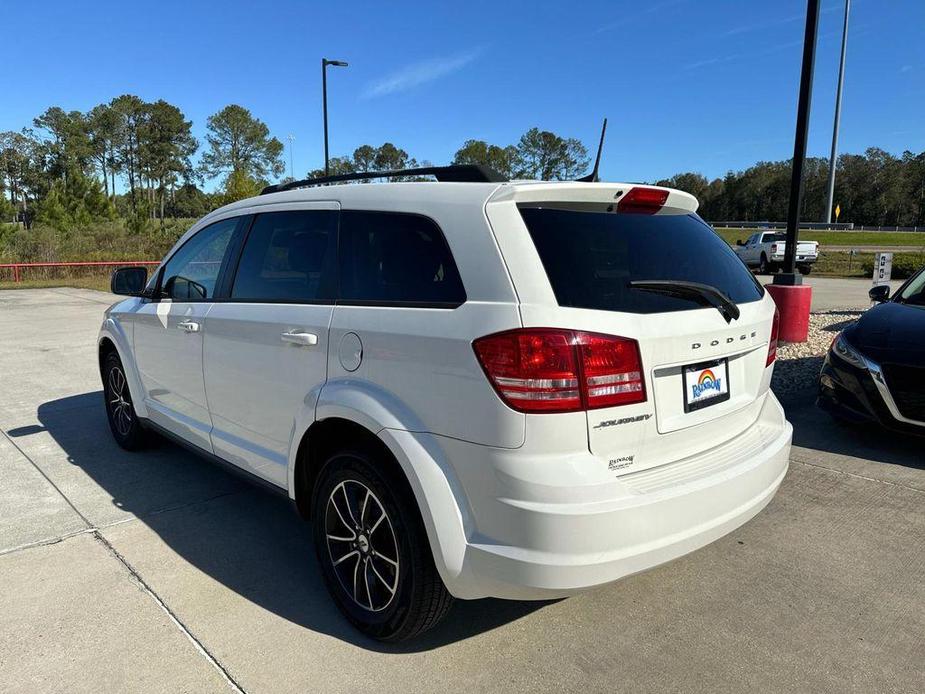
(713,296)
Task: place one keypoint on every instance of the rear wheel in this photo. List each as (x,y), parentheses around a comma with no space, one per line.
(123,422)
(805,269)
(373,550)
(763,265)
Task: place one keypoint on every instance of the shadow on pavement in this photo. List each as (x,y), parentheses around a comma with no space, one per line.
(815,429)
(245,537)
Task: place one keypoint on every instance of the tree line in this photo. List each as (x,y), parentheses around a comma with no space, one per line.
(538,154)
(875,188)
(65,168)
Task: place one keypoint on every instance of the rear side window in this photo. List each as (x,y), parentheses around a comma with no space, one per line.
(288,256)
(590,258)
(388,257)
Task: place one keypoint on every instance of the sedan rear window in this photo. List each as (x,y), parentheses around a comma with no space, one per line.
(591,258)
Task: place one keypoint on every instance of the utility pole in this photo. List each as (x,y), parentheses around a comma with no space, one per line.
(841,79)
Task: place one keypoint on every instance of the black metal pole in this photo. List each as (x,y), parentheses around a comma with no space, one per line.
(790,276)
(324,101)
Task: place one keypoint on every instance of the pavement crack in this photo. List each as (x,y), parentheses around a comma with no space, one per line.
(197,644)
(795,459)
(48,479)
(46,542)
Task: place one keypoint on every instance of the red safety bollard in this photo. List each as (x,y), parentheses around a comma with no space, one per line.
(793,302)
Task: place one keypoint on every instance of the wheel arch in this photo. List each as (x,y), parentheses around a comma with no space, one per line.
(112,338)
(417,461)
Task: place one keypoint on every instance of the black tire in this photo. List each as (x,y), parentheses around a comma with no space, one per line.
(123,422)
(805,269)
(389,598)
(763,265)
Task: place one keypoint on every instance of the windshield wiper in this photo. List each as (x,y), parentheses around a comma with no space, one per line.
(707,294)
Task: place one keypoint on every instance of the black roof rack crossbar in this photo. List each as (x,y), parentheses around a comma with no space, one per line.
(459,173)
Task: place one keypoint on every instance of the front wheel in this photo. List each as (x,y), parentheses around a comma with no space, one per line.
(123,422)
(373,551)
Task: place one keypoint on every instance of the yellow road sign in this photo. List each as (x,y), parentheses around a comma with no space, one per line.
(837,212)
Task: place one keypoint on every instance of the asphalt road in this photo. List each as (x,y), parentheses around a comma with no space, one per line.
(832,293)
(158,572)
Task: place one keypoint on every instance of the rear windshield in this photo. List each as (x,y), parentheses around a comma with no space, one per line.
(590,258)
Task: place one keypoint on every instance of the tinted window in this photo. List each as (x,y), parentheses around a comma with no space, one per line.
(288,256)
(191,273)
(590,258)
(396,257)
(914,292)
(768,238)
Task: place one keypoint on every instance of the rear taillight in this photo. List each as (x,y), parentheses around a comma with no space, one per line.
(772,345)
(641,200)
(554,370)
(773,248)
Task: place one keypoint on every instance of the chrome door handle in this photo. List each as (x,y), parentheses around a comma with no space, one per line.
(299,338)
(188,326)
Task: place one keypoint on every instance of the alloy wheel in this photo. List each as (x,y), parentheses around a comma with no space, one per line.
(362,545)
(120,404)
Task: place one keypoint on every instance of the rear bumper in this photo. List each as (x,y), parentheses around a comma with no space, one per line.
(801,259)
(527,547)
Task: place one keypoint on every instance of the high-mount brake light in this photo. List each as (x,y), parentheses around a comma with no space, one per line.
(642,200)
(772,344)
(554,370)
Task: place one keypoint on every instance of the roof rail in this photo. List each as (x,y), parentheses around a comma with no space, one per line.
(459,173)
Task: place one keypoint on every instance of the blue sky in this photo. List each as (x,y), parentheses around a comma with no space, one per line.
(694,85)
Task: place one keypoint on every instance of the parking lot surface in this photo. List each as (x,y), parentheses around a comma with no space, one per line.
(157,571)
(830,293)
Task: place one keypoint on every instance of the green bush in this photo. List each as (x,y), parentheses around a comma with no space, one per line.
(904,265)
(100,240)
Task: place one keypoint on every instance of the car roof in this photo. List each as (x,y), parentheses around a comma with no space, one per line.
(413,194)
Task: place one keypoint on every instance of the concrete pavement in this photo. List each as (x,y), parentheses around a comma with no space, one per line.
(157,571)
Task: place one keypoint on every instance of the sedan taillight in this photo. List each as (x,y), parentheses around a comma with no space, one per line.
(555,370)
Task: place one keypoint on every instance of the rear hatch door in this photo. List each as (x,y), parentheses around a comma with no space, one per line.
(705,372)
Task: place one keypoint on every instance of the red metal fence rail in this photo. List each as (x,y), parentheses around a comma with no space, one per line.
(18,267)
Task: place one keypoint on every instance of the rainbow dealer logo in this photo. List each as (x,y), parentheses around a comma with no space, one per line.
(707,381)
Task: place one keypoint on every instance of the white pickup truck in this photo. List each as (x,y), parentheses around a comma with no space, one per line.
(764,250)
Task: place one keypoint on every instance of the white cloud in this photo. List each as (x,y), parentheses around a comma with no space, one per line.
(419,73)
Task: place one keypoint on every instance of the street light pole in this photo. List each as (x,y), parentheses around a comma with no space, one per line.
(291,137)
(841,79)
(324,100)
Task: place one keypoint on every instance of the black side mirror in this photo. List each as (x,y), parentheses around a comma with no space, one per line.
(740,242)
(183,288)
(128,281)
(880,293)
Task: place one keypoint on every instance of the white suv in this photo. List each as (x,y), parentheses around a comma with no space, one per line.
(472,389)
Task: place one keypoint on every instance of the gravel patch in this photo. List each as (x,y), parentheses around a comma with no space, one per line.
(798,363)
